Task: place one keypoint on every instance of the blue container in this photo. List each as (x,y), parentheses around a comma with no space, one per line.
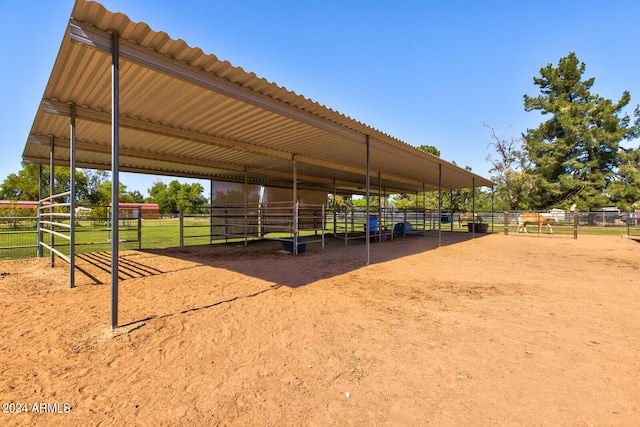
(373,223)
(400,228)
(287,245)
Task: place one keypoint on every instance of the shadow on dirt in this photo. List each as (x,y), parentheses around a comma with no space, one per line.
(315,263)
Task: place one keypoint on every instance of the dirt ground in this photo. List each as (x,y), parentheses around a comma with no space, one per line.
(498,330)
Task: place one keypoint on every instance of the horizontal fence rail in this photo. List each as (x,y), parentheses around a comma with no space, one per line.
(20,235)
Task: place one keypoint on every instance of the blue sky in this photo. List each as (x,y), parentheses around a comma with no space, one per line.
(426,72)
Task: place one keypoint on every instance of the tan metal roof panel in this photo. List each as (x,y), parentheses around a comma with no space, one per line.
(187,113)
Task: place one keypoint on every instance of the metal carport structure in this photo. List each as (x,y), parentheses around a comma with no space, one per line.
(124,97)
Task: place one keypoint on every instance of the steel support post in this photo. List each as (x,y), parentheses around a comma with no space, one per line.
(368,211)
(52,184)
(39,213)
(115,177)
(295,205)
(72,196)
(440,205)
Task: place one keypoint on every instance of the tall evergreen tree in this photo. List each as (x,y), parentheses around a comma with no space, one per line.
(574,154)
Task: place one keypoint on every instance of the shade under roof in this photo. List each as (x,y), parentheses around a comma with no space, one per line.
(186,113)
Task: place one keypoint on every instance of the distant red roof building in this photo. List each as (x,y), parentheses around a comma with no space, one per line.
(131,210)
(19,204)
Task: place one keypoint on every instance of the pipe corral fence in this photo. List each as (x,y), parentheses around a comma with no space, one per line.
(572,223)
(21,228)
(24,231)
(299,224)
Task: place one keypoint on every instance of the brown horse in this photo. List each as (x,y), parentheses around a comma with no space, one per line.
(537,219)
(469,217)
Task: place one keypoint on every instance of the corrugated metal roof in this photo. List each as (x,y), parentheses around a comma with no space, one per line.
(187,113)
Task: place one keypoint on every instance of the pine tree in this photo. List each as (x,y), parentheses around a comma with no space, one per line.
(574,154)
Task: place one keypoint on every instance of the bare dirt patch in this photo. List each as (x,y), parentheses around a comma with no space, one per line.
(499,330)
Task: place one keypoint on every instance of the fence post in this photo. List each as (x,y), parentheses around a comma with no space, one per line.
(506,223)
(39,226)
(575,225)
(181,226)
(139,227)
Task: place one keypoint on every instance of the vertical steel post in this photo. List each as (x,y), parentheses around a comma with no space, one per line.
(380,210)
(424,212)
(72,196)
(367,191)
(451,204)
(115,177)
(295,205)
(323,225)
(51,193)
(211,212)
(139,227)
(473,207)
(335,210)
(440,205)
(39,213)
(246,207)
(181,222)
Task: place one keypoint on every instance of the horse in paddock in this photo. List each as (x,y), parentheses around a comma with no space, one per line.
(537,219)
(469,217)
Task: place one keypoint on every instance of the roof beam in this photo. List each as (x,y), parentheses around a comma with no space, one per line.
(137,154)
(83,113)
(63,143)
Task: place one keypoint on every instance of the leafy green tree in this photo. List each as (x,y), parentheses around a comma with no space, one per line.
(171,197)
(574,154)
(95,180)
(101,195)
(132,197)
(513,183)
(158,194)
(624,190)
(430,149)
(24,184)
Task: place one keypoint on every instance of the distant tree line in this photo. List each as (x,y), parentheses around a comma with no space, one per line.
(93,188)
